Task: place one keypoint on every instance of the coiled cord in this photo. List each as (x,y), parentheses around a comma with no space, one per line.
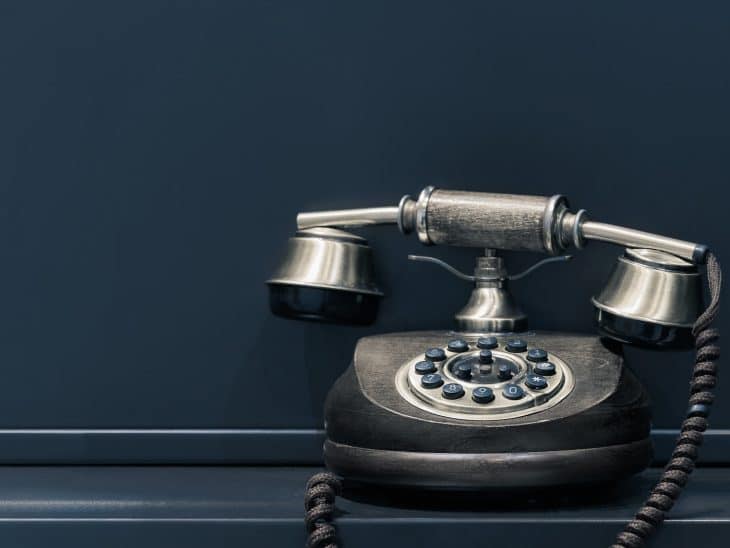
(676,473)
(319,506)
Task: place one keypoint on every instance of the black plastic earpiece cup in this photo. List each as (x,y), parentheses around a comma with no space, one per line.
(323,305)
(643,334)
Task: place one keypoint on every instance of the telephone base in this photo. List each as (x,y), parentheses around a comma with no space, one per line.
(586,421)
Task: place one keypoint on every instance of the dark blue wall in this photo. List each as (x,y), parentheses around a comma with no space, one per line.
(153,156)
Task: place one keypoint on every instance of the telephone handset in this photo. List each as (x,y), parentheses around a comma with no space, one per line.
(490,404)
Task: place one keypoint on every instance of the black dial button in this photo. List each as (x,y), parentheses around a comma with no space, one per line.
(487,342)
(516,345)
(424,368)
(504,372)
(513,392)
(452,391)
(432,380)
(482,394)
(485,356)
(458,345)
(463,370)
(544,368)
(435,354)
(536,382)
(536,355)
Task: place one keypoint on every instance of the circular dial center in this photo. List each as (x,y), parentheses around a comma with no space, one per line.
(471,368)
(484,379)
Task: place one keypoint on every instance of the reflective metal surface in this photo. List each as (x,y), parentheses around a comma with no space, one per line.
(650,297)
(491,306)
(654,287)
(556,207)
(330,259)
(492,309)
(349,217)
(421,220)
(499,221)
(629,237)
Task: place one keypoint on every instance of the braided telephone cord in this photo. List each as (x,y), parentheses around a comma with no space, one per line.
(319,506)
(680,466)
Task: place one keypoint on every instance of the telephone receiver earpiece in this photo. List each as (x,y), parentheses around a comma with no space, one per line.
(651,299)
(326,275)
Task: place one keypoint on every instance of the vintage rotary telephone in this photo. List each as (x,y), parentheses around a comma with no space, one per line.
(491,405)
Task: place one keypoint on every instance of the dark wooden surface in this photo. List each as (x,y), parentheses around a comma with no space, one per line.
(186,507)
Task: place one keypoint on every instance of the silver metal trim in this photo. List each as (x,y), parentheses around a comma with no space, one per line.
(327,258)
(349,217)
(578,220)
(402,223)
(638,288)
(629,237)
(421,215)
(333,234)
(549,223)
(660,259)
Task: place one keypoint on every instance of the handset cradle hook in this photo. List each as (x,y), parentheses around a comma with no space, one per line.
(466,277)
